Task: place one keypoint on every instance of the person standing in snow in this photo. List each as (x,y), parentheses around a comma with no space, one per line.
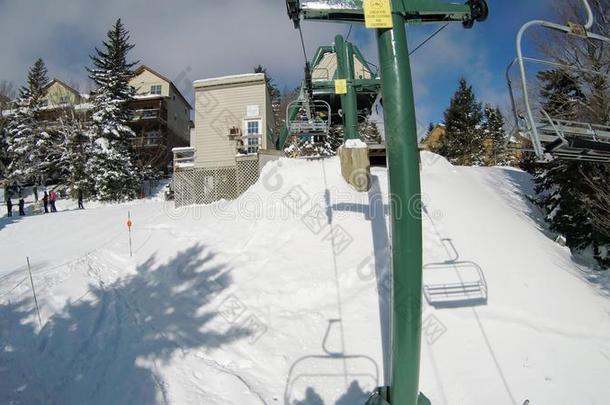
(52,199)
(80,200)
(9,207)
(21,207)
(45,202)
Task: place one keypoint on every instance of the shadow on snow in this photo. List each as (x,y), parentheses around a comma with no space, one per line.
(105,347)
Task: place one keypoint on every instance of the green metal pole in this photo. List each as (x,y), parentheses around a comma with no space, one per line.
(349,101)
(405,191)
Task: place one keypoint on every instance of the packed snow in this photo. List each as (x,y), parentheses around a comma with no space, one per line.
(281,297)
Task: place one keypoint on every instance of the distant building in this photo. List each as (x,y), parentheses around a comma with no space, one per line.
(161,117)
(233,119)
(433,140)
(60,100)
(231,141)
(60,94)
(159,114)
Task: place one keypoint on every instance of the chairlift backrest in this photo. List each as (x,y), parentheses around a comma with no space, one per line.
(313,117)
(552,136)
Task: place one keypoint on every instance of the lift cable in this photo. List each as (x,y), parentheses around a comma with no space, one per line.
(303,44)
(428,39)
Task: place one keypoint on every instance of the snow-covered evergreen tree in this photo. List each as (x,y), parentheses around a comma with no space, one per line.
(561,190)
(110,165)
(73,148)
(28,146)
(495,135)
(37,80)
(4,158)
(463,143)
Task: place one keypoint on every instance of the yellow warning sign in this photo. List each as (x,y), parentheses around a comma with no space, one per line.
(378,14)
(341,86)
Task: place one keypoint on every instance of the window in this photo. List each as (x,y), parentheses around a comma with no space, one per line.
(44,103)
(63,100)
(252,128)
(252,136)
(155,89)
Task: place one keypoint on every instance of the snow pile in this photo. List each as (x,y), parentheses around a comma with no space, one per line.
(273,298)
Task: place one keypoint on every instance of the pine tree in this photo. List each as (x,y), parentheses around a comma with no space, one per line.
(463,143)
(37,80)
(73,149)
(561,94)
(495,135)
(4,158)
(29,147)
(110,165)
(21,139)
(560,188)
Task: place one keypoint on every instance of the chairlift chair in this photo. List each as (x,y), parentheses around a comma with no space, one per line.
(553,137)
(313,118)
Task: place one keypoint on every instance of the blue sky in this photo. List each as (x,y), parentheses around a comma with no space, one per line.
(193,39)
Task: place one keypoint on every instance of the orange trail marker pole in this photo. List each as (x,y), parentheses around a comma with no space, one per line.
(129,225)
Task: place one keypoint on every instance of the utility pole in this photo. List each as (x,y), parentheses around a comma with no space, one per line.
(389,17)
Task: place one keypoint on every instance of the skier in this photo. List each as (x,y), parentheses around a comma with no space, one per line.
(80,200)
(52,199)
(21,207)
(9,207)
(45,202)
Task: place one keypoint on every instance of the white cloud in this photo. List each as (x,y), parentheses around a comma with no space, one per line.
(201,38)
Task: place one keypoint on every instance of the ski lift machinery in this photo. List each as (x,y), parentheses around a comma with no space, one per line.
(554,138)
(313,117)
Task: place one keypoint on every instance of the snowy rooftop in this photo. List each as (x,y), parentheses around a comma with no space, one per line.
(243,78)
(147,96)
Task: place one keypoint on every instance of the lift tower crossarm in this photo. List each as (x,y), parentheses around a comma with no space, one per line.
(412,11)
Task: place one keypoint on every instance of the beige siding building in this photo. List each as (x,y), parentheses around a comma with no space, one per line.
(327,68)
(160,117)
(59,94)
(151,85)
(233,119)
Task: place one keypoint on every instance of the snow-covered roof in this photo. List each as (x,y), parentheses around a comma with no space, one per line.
(83,106)
(147,96)
(233,79)
(183,149)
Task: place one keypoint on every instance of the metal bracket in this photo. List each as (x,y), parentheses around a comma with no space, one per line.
(578,30)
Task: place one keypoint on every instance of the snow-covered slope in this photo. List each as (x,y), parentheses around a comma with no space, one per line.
(274,298)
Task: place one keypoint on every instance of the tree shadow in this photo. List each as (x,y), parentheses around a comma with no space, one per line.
(523,182)
(6,220)
(105,347)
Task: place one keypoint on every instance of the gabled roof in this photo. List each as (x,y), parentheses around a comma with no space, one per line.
(143,68)
(63,84)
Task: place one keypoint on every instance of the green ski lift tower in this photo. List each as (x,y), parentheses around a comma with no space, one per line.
(318,92)
(388,18)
